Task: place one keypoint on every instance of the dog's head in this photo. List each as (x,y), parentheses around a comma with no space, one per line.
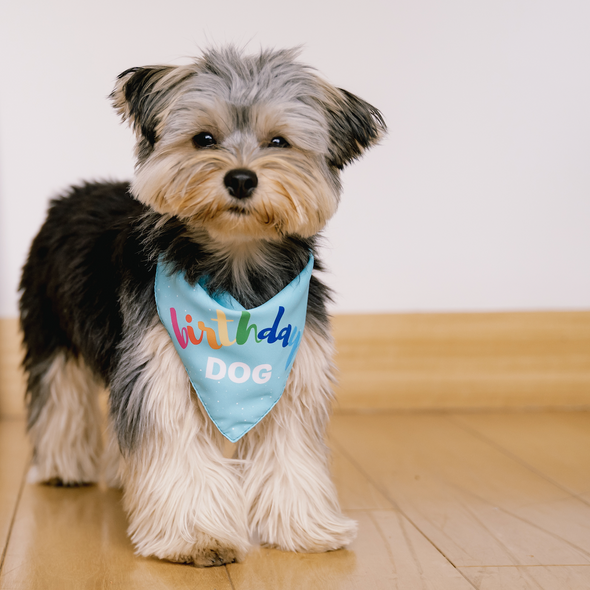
(243,146)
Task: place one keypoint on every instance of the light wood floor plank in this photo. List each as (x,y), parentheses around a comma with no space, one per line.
(556,444)
(417,563)
(433,493)
(14,454)
(529,578)
(478,506)
(355,492)
(389,554)
(66,539)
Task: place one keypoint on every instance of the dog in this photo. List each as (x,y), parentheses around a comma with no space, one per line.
(238,162)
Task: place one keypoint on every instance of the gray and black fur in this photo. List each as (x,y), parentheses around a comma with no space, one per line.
(88,283)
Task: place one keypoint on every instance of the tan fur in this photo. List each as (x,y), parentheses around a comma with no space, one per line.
(183,498)
(292,500)
(67,435)
(292,197)
(112,462)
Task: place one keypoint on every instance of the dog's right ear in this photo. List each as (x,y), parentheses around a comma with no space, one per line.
(354,125)
(142,94)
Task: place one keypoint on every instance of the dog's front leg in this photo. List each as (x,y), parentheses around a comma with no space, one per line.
(292,501)
(182,496)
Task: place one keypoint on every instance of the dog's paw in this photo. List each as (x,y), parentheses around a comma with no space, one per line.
(200,550)
(215,556)
(35,476)
(330,534)
(207,553)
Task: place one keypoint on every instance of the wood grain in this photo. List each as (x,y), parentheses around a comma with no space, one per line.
(474,503)
(72,538)
(554,444)
(529,578)
(388,554)
(75,538)
(14,454)
(355,492)
(443,502)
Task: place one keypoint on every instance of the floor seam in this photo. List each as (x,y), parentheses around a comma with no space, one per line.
(530,565)
(530,409)
(12,520)
(522,462)
(231,582)
(397,508)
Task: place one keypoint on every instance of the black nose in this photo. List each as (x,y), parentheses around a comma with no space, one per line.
(240,182)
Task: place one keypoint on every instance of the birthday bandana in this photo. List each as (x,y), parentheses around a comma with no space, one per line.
(237,359)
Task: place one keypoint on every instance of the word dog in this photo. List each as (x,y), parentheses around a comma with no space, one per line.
(216,370)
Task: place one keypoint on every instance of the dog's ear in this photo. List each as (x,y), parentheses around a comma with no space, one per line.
(142,94)
(354,126)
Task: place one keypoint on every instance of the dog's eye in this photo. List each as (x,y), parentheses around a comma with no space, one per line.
(203,140)
(279,142)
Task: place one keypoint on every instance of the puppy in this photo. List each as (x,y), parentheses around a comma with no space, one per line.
(238,166)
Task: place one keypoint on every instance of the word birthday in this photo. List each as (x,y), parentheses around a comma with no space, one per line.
(288,336)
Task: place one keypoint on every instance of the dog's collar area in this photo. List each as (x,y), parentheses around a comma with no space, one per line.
(238,360)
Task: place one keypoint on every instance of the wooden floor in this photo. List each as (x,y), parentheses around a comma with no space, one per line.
(444,501)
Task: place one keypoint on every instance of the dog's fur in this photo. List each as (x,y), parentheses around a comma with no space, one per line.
(89,317)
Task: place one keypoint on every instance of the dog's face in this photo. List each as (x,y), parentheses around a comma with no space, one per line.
(244,147)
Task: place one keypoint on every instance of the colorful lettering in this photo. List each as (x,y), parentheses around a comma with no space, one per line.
(284,335)
(244,329)
(270,334)
(211,339)
(222,327)
(294,344)
(181,336)
(288,336)
(191,332)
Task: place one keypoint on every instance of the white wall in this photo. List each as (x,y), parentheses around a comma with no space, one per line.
(478,200)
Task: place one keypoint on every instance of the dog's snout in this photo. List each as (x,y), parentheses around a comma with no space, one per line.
(240,183)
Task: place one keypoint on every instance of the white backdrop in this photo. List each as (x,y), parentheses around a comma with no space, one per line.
(479,199)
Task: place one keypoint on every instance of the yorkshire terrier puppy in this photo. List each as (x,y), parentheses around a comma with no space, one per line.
(238,166)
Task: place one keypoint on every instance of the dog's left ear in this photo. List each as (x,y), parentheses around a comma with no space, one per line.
(354,126)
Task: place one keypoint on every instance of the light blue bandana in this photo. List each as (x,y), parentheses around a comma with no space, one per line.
(237,359)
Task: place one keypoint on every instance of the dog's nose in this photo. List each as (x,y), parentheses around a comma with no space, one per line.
(240,183)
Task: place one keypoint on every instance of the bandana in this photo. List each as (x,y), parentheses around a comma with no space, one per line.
(238,360)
